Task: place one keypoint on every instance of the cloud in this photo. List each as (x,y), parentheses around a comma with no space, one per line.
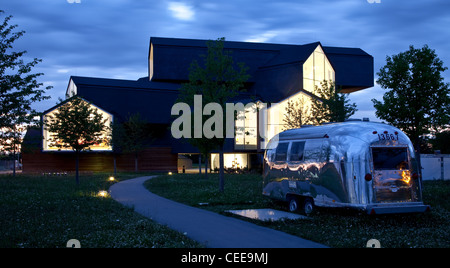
(363,100)
(62,71)
(109,39)
(181,11)
(262,38)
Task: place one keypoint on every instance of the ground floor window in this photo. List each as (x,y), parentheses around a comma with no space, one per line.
(233,161)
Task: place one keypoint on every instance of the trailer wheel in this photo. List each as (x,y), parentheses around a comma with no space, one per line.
(301,205)
(293,204)
(308,206)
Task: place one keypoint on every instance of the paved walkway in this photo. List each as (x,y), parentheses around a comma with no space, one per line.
(209,228)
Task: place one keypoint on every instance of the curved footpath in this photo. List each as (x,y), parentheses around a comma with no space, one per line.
(209,228)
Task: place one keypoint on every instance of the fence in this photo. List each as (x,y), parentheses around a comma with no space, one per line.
(435,166)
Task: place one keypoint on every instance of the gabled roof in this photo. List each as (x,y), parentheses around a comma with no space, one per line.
(275,69)
(293,54)
(180,42)
(68,100)
(172,57)
(152,100)
(345,51)
(142,83)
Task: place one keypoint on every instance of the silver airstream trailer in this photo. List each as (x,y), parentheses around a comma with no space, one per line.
(363,165)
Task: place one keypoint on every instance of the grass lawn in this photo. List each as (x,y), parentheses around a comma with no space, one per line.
(47,211)
(332,227)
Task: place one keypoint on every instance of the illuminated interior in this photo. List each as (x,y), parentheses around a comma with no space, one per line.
(316,69)
(246,124)
(103,146)
(276,113)
(71,89)
(234,161)
(150,64)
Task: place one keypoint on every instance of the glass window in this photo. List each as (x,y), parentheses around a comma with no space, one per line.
(234,161)
(274,121)
(240,138)
(296,152)
(313,150)
(385,158)
(308,68)
(319,66)
(316,69)
(281,153)
(251,115)
(276,114)
(240,129)
(246,136)
(251,137)
(308,84)
(317,85)
(72,89)
(104,145)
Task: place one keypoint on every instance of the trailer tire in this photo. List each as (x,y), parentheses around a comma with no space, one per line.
(308,206)
(303,205)
(294,204)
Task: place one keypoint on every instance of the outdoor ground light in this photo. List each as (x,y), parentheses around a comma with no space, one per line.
(170,173)
(102,194)
(111,178)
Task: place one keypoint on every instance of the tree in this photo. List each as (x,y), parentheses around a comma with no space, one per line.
(19,88)
(136,134)
(296,114)
(417,100)
(116,138)
(76,125)
(10,140)
(442,142)
(205,146)
(217,80)
(331,105)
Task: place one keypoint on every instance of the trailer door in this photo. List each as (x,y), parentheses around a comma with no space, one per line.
(392,174)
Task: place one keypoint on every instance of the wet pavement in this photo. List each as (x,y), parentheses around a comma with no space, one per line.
(211,229)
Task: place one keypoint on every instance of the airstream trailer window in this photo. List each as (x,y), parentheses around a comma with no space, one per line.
(296,152)
(281,152)
(313,150)
(385,158)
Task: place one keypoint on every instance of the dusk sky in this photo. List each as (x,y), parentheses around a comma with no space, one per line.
(110,38)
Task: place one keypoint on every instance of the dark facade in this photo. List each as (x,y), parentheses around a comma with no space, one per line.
(276,72)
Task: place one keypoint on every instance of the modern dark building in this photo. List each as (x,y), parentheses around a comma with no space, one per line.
(278,73)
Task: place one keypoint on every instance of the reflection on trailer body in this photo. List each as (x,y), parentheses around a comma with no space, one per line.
(364,165)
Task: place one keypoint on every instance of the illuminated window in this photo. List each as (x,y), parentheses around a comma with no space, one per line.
(235,161)
(71,89)
(276,113)
(246,125)
(150,64)
(103,146)
(316,69)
